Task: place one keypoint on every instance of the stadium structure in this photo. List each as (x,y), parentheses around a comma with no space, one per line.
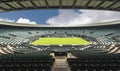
(88,47)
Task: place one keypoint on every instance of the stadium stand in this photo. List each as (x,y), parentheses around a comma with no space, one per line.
(17,52)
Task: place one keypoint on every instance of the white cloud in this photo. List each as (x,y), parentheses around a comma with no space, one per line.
(24,20)
(20,20)
(71,17)
(6,19)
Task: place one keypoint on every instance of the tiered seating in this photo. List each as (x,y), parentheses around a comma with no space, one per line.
(105,40)
(6,49)
(24,49)
(12,41)
(94,61)
(113,49)
(94,65)
(34,61)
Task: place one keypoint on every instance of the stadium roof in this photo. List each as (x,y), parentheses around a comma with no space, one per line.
(50,26)
(12,5)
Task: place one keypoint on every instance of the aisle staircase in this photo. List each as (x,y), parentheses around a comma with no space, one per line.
(61,64)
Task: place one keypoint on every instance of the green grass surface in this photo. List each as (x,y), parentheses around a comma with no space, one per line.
(61,41)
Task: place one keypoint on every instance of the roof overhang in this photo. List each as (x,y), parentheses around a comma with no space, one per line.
(13,5)
(50,26)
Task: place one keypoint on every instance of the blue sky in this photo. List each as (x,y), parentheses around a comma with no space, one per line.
(39,16)
(60,17)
